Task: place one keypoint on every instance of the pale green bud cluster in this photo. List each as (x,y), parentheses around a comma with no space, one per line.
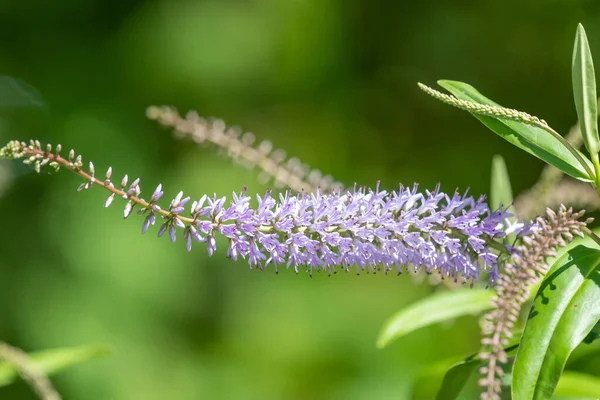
(483,109)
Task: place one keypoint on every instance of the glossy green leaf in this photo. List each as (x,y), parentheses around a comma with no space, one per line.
(565,309)
(578,385)
(533,140)
(584,92)
(439,307)
(54,360)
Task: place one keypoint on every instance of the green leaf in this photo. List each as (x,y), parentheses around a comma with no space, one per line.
(584,92)
(533,140)
(54,360)
(565,309)
(501,192)
(455,379)
(438,307)
(578,385)
(452,377)
(445,379)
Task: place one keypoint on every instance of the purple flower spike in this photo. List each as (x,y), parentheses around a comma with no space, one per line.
(453,235)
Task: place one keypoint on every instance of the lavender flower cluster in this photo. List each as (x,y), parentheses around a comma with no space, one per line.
(361,228)
(453,235)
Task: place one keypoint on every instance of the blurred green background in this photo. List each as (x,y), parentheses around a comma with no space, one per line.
(331,81)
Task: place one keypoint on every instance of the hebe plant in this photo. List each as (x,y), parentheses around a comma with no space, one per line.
(316,224)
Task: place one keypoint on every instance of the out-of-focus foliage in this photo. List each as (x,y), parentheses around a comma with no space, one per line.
(435,308)
(334,82)
(52,361)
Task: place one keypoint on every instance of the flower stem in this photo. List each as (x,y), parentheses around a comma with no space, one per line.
(121,193)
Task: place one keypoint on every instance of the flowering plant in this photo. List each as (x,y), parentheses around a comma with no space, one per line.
(318,225)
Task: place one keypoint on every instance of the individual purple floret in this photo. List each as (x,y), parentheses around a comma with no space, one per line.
(362,228)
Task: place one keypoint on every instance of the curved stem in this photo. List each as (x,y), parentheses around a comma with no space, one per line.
(121,193)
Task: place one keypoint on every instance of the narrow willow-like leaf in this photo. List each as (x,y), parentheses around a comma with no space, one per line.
(565,309)
(439,307)
(531,139)
(501,191)
(584,92)
(578,385)
(54,360)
